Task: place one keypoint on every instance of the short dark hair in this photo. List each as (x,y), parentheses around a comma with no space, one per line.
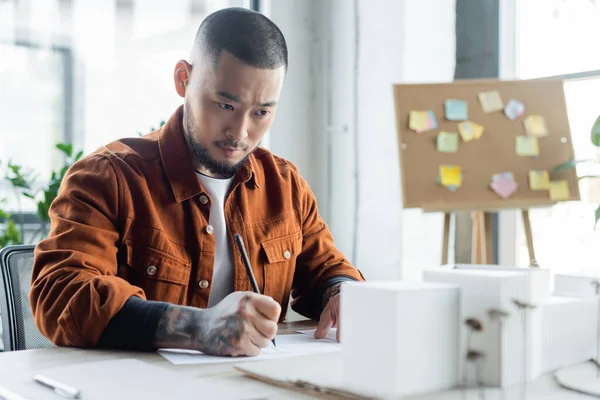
(248,35)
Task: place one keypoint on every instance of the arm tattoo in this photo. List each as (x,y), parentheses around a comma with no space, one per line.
(198,329)
(180,327)
(330,292)
(228,333)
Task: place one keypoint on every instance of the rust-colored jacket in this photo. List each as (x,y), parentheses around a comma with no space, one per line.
(131,218)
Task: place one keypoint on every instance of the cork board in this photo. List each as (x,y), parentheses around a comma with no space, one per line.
(494,152)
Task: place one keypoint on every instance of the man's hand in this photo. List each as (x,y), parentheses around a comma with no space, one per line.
(330,317)
(240,325)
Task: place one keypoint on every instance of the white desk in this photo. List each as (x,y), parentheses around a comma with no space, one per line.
(19,366)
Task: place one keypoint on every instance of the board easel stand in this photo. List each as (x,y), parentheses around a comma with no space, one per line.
(481,159)
(481,240)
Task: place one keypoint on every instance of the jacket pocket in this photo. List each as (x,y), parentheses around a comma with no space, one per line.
(280,263)
(161,276)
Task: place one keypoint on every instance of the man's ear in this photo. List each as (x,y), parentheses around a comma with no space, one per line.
(182,75)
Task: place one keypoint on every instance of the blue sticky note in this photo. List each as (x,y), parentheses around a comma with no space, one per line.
(456,110)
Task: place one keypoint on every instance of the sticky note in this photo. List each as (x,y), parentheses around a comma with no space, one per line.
(514,109)
(422,121)
(491,101)
(535,125)
(456,110)
(539,180)
(447,142)
(450,175)
(503,175)
(503,184)
(559,190)
(527,146)
(470,130)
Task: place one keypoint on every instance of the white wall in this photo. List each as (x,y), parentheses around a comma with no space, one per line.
(429,56)
(396,41)
(299,131)
(382,62)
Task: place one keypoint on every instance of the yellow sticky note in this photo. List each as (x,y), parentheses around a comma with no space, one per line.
(470,130)
(539,180)
(527,146)
(450,175)
(415,120)
(491,101)
(559,190)
(447,142)
(535,125)
(422,121)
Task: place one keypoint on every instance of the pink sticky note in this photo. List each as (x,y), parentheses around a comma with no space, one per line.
(504,186)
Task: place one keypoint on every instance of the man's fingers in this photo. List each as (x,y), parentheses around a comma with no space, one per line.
(259,340)
(253,346)
(325,323)
(265,327)
(266,306)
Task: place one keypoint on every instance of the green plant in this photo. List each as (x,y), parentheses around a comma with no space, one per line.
(10,234)
(595,138)
(23,181)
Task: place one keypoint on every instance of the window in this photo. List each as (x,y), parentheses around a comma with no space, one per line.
(560,38)
(88,72)
(557,37)
(34,108)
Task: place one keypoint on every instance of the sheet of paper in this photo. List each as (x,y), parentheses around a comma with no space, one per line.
(514,109)
(294,345)
(447,142)
(330,335)
(325,372)
(422,121)
(527,146)
(450,175)
(539,180)
(503,184)
(470,130)
(559,190)
(535,125)
(491,101)
(122,379)
(6,394)
(456,110)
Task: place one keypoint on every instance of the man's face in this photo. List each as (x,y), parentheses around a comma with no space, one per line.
(228,109)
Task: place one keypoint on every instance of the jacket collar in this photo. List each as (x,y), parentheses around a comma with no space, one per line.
(177,161)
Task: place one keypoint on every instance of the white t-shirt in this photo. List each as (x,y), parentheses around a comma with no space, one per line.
(222,280)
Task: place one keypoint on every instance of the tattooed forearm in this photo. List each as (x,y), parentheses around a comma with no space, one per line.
(180,327)
(228,333)
(330,292)
(210,331)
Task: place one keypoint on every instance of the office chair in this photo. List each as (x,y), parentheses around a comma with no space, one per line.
(19,332)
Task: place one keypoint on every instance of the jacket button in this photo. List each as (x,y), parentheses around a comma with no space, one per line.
(287,254)
(209,229)
(203,284)
(203,199)
(151,270)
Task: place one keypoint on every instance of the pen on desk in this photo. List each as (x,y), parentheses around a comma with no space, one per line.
(60,388)
(240,243)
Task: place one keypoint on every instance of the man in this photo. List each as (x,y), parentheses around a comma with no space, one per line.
(141,252)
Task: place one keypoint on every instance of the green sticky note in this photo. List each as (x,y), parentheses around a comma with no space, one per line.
(527,146)
(447,142)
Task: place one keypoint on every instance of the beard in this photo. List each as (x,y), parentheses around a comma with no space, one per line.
(223,169)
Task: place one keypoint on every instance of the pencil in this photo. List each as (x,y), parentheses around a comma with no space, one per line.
(240,243)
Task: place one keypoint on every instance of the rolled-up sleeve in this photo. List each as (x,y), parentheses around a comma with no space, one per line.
(320,261)
(75,288)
